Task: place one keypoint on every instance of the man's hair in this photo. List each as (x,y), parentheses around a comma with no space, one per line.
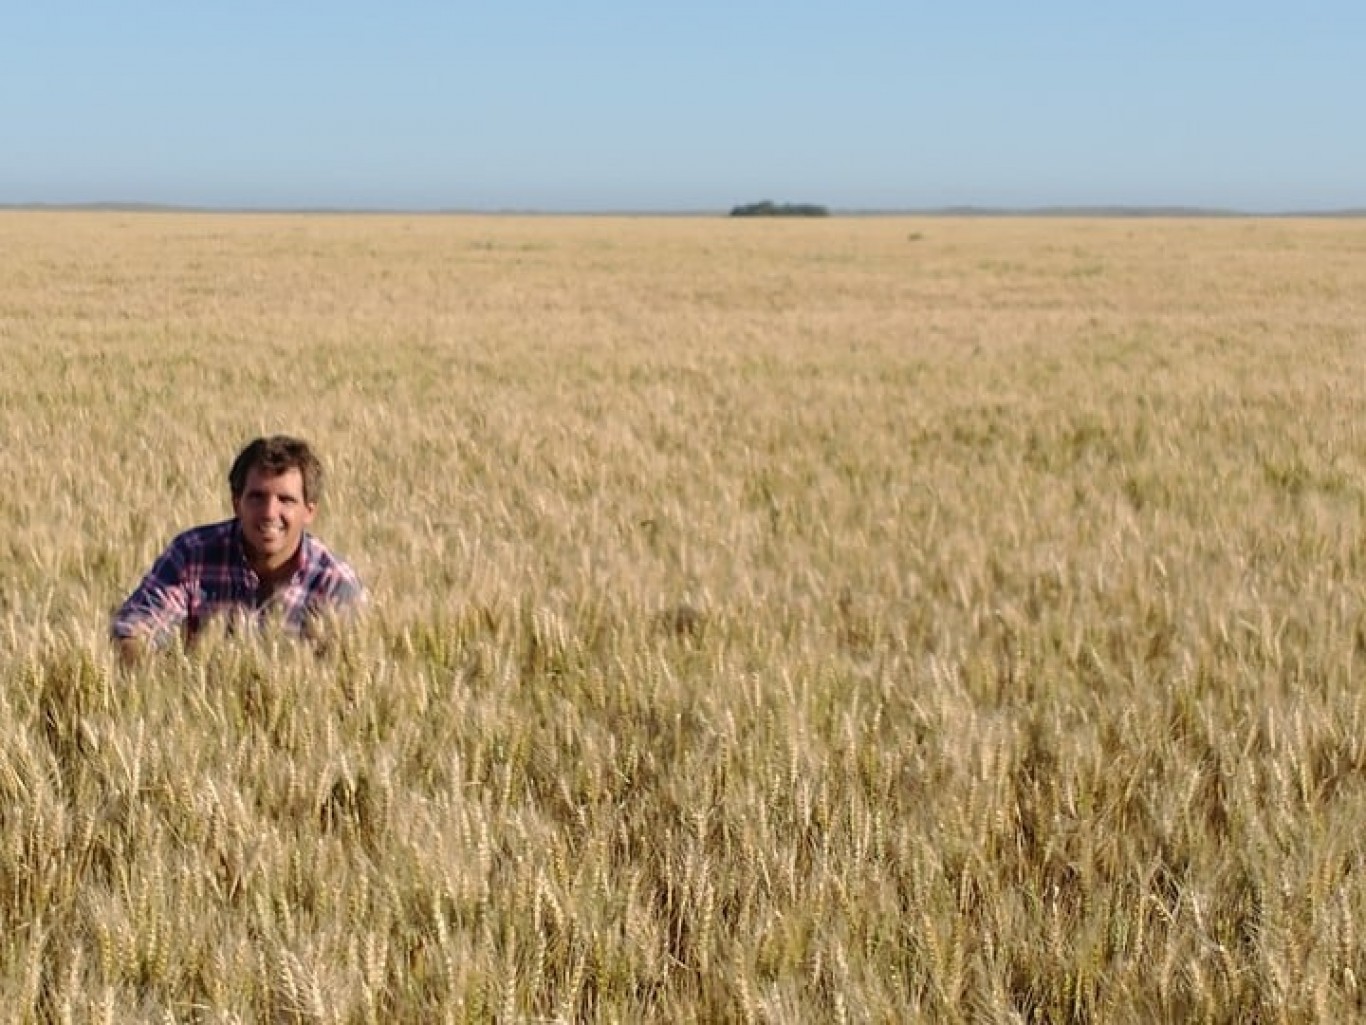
(275,455)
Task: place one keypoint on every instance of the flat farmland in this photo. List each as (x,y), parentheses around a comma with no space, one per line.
(848,619)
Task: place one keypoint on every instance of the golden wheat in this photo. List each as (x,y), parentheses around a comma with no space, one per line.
(855,620)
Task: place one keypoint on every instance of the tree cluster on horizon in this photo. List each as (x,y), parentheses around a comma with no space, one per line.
(767,208)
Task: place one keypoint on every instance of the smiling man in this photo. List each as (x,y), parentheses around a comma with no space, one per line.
(262,563)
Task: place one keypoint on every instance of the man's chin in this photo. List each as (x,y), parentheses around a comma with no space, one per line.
(266,546)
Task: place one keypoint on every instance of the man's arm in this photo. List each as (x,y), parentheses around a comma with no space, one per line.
(347,594)
(334,588)
(150,615)
(336,601)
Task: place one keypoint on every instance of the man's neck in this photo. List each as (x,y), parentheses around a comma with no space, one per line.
(276,574)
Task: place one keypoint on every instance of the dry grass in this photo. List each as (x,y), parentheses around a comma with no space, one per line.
(851,620)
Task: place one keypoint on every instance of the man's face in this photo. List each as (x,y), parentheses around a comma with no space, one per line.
(273,515)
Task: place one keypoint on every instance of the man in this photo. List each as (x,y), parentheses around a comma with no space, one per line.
(261,563)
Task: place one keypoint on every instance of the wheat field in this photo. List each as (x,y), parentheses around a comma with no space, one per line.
(850,620)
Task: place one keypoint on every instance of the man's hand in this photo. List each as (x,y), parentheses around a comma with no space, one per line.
(132,650)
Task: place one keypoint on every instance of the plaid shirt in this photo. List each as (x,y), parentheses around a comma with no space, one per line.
(204,574)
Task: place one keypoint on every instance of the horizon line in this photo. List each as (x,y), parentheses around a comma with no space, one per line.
(1117,210)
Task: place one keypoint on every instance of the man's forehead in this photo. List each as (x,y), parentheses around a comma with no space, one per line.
(288,479)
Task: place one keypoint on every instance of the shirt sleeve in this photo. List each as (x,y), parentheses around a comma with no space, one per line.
(160,603)
(345,592)
(335,595)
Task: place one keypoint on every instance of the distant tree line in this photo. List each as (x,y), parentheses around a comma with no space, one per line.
(766,208)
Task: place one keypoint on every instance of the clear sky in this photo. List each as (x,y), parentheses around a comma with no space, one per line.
(614,105)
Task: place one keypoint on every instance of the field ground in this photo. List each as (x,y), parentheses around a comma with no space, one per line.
(848,619)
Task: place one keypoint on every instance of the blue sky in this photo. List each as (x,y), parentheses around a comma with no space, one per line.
(607,105)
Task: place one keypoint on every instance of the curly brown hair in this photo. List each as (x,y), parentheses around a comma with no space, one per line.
(275,455)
